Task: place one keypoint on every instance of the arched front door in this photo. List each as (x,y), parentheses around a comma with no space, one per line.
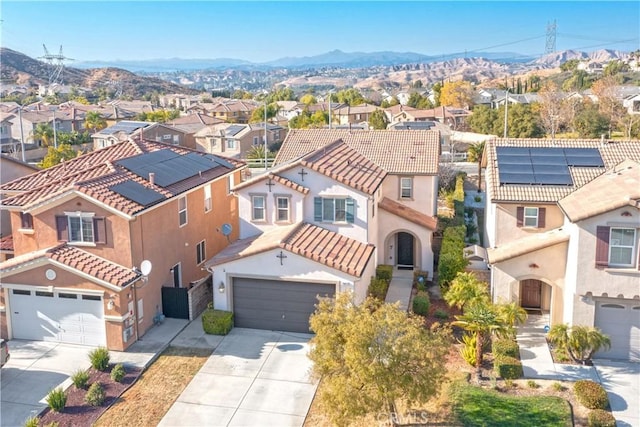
(531,293)
(405,247)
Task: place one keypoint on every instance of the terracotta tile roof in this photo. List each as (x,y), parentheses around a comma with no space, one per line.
(527,245)
(398,108)
(612,153)
(407,213)
(6,243)
(195,118)
(76,259)
(618,187)
(95,173)
(310,241)
(356,109)
(277,178)
(398,151)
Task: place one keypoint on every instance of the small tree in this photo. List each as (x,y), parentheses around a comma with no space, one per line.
(372,355)
(580,342)
(512,314)
(57,155)
(378,120)
(466,289)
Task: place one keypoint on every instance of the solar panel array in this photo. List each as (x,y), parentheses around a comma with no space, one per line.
(138,193)
(124,126)
(168,166)
(543,166)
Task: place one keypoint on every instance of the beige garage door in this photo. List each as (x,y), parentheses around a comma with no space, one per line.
(620,320)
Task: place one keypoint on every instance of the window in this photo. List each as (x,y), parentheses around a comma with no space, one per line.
(140,310)
(81,228)
(531,217)
(44,294)
(258,208)
(282,213)
(26,221)
(334,209)
(231,144)
(207,198)
(200,252)
(256,140)
(621,247)
(176,273)
(176,139)
(182,210)
(406,188)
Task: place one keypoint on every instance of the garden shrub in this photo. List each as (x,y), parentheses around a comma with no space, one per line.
(441,314)
(32,421)
(468,350)
(384,271)
(57,399)
(421,303)
(591,394)
(95,395)
(217,322)
(505,347)
(508,368)
(601,418)
(99,358)
(378,288)
(80,379)
(118,372)
(452,259)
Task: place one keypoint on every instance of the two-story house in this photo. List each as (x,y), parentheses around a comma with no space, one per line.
(237,140)
(121,131)
(336,204)
(98,238)
(563,232)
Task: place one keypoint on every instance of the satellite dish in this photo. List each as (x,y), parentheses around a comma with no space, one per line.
(226,229)
(145,267)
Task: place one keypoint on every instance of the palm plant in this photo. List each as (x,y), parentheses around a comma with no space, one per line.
(580,342)
(94,121)
(42,132)
(466,289)
(481,320)
(513,315)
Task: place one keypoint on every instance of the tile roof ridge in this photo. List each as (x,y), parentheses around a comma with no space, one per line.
(53,249)
(324,150)
(292,233)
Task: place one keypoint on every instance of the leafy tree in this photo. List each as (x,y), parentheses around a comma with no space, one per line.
(482,320)
(437,89)
(308,99)
(94,121)
(608,103)
(159,116)
(580,342)
(512,315)
(590,123)
(523,122)
(419,101)
(552,109)
(631,125)
(74,138)
(57,155)
(457,94)
(615,67)
(378,120)
(257,153)
(349,96)
(417,84)
(474,153)
(371,356)
(466,290)
(257,115)
(570,65)
(484,120)
(241,94)
(43,132)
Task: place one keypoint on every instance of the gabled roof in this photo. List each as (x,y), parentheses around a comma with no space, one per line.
(407,213)
(277,178)
(615,188)
(399,152)
(612,153)
(527,245)
(75,259)
(97,173)
(310,241)
(195,118)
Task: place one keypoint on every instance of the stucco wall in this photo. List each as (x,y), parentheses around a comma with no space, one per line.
(505,222)
(425,192)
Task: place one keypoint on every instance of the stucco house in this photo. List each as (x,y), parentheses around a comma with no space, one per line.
(121,131)
(82,231)
(562,223)
(237,140)
(336,204)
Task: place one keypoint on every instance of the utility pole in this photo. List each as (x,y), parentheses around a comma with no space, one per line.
(24,160)
(329,110)
(506,108)
(55,133)
(265,136)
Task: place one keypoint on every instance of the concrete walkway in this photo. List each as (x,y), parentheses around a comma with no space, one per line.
(400,288)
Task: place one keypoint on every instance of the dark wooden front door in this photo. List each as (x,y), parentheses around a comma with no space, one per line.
(405,250)
(530,293)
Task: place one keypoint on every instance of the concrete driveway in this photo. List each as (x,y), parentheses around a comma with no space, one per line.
(34,369)
(253,378)
(622,382)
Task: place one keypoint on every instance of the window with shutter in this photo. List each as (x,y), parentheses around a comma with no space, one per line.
(100,230)
(602,246)
(334,210)
(62,228)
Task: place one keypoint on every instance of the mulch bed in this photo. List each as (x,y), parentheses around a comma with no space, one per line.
(80,414)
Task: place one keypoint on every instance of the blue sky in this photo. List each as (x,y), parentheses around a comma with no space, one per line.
(263,31)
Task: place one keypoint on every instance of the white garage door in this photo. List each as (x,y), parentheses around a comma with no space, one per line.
(57,317)
(620,319)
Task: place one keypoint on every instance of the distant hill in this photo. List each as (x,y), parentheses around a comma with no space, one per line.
(18,68)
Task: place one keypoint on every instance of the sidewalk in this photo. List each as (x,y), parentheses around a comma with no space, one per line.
(536,359)
(400,288)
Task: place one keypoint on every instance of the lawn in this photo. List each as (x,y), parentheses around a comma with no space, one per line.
(475,406)
(149,399)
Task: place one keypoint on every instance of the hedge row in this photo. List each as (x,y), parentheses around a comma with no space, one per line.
(505,347)
(508,368)
(217,322)
(379,285)
(452,260)
(591,394)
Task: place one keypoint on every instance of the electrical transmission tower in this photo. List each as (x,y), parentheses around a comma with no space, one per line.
(551,38)
(56,65)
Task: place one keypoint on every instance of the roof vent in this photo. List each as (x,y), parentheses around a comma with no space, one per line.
(152,178)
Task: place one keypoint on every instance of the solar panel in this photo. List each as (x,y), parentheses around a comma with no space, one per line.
(512,151)
(515,168)
(546,151)
(516,178)
(137,193)
(549,160)
(553,169)
(589,152)
(584,161)
(553,179)
(514,160)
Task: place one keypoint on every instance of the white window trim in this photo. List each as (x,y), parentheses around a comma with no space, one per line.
(264,208)
(81,215)
(186,215)
(410,188)
(633,247)
(277,208)
(334,220)
(525,216)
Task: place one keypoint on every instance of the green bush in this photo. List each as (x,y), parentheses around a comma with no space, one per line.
(452,259)
(508,368)
(217,322)
(532,384)
(99,358)
(80,379)
(384,271)
(591,394)
(56,399)
(421,303)
(378,288)
(441,314)
(505,347)
(118,373)
(601,418)
(95,395)
(32,422)
(557,386)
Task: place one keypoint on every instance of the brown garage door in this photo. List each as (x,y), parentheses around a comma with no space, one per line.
(276,305)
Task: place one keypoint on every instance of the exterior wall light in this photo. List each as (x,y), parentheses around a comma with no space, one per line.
(221,287)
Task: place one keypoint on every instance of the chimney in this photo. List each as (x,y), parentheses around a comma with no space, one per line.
(152,178)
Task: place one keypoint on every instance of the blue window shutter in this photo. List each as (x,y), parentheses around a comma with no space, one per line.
(351,210)
(317,209)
